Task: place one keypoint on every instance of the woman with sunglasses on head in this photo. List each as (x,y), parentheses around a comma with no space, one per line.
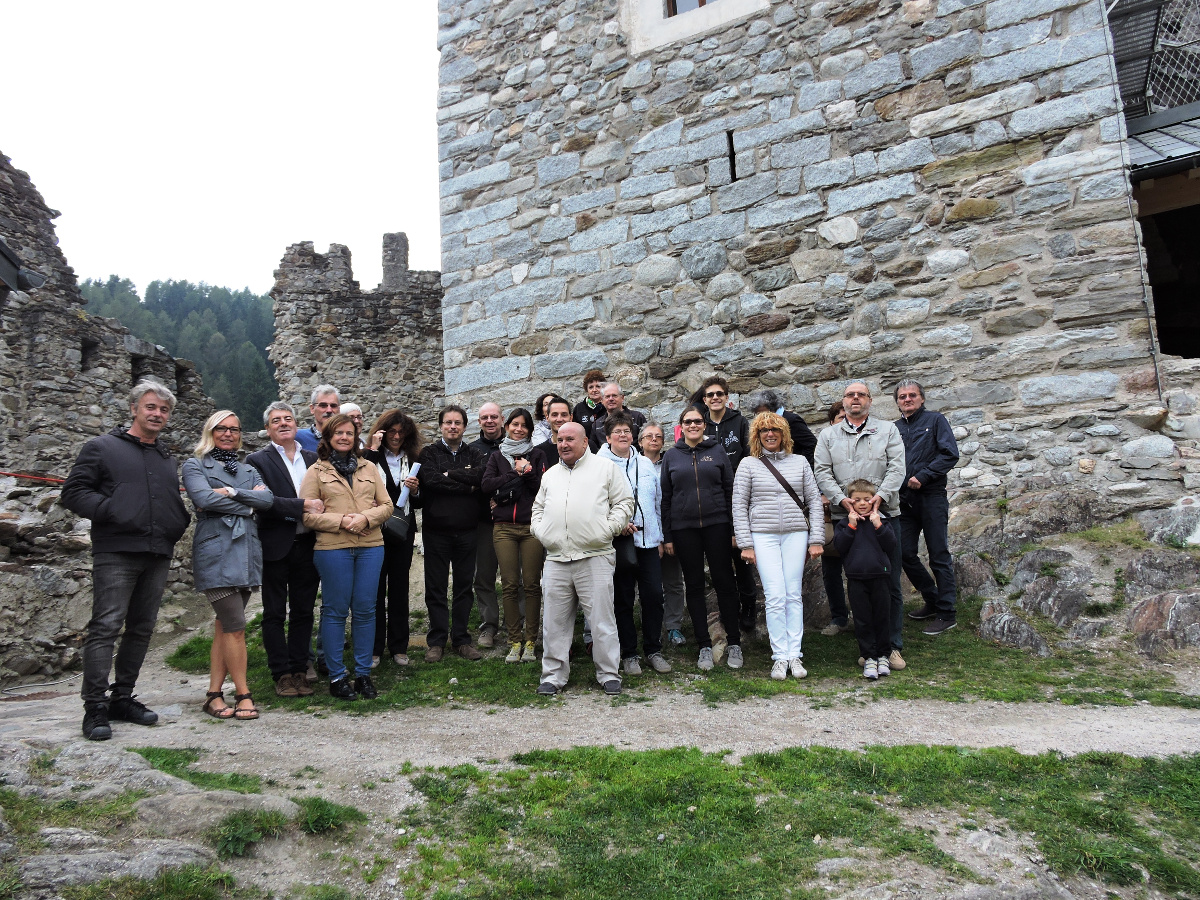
(697,493)
(226,554)
(393,447)
(779,523)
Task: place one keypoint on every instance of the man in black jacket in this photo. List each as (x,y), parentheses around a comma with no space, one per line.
(558,414)
(449,495)
(289,576)
(613,399)
(930,452)
(491,435)
(127,483)
(804,442)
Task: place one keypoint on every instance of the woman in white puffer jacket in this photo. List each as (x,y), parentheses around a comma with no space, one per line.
(778,531)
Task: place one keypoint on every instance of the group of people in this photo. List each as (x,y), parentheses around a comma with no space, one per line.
(576,507)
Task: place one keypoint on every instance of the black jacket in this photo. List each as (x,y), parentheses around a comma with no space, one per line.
(585,415)
(514,493)
(804,442)
(277,525)
(865,551)
(697,486)
(450,491)
(487,448)
(598,436)
(379,458)
(930,450)
(733,433)
(130,491)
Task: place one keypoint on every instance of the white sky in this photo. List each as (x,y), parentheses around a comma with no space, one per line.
(197,142)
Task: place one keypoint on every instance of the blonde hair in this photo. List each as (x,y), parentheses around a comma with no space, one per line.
(207,444)
(769,420)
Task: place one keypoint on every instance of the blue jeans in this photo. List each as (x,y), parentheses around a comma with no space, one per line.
(929,513)
(349,585)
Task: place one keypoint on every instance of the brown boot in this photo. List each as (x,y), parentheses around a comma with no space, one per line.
(466,651)
(303,688)
(285,686)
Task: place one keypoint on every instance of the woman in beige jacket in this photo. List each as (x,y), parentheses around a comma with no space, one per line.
(349,550)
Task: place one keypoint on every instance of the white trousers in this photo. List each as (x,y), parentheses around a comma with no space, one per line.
(585,584)
(780,561)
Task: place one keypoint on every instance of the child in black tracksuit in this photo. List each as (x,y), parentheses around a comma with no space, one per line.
(865,544)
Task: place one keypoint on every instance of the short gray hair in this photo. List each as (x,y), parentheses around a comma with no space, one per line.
(278,406)
(321,390)
(620,389)
(347,408)
(768,398)
(908,382)
(150,386)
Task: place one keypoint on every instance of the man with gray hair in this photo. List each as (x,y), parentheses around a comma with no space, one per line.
(612,399)
(127,483)
(324,404)
(930,452)
(804,442)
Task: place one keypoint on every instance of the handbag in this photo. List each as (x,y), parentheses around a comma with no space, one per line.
(397,525)
(627,560)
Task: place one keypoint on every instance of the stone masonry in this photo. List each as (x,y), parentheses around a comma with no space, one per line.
(379,348)
(64,378)
(801,194)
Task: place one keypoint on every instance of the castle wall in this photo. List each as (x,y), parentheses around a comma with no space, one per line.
(805,194)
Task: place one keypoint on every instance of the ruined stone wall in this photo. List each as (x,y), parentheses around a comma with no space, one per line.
(807,193)
(379,348)
(65,377)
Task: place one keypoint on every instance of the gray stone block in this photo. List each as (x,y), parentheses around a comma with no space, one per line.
(471,181)
(480,215)
(770,85)
(482,330)
(754,304)
(909,155)
(871,194)
(1015,37)
(590,200)
(1064,112)
(1001,13)
(645,185)
(1043,57)
(949,336)
(979,393)
(552,169)
(707,339)
(906,313)
(565,364)
(559,314)
(705,260)
(658,270)
(555,229)
(661,138)
(1056,390)
(638,350)
(874,76)
(989,253)
(1104,187)
(817,94)
(957,115)
(825,174)
(525,295)
(454,32)
(662,220)
(456,70)
(1042,197)
(465,146)
(943,54)
(803,152)
(742,352)
(812,334)
(778,131)
(746,192)
(603,234)
(467,258)
(710,228)
(943,262)
(629,253)
(600,282)
(488,373)
(465,109)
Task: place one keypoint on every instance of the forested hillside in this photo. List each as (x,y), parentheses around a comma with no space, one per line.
(225,333)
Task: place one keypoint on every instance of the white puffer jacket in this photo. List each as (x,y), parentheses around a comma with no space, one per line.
(760,504)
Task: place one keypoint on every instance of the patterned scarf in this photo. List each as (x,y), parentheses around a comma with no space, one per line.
(345,463)
(228,458)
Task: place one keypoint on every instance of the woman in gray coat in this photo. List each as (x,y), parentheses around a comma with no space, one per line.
(226,555)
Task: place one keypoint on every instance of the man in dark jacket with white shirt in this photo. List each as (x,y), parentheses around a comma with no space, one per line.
(127,483)
(930,452)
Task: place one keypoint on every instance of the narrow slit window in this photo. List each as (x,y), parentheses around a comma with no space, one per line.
(675,7)
(732,157)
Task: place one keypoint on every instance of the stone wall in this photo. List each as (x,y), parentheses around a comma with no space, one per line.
(65,377)
(808,194)
(379,348)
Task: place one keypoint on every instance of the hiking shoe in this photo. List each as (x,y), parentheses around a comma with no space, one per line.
(658,663)
(342,689)
(530,654)
(548,689)
(514,653)
(779,669)
(300,682)
(131,709)
(734,656)
(285,686)
(365,687)
(883,667)
(833,629)
(631,665)
(434,654)
(896,661)
(487,638)
(466,651)
(400,659)
(870,670)
(95,722)
(797,667)
(937,626)
(612,687)
(925,612)
(705,662)
(675,636)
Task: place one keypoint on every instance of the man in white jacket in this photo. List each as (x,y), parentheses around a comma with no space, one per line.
(582,505)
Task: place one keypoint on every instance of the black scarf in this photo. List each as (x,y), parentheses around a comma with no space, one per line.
(345,463)
(228,458)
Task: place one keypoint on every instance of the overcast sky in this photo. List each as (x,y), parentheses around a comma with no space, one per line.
(197,142)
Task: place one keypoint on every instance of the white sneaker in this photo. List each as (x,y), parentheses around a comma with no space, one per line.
(632,666)
(798,670)
(658,663)
(779,670)
(883,666)
(705,662)
(870,670)
(514,653)
(734,656)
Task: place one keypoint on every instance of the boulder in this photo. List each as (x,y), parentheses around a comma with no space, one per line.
(998,624)
(1037,563)
(193,814)
(1158,570)
(1167,621)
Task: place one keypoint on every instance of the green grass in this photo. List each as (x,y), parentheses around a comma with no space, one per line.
(238,832)
(956,666)
(1127,533)
(26,815)
(596,822)
(318,815)
(187,883)
(179,763)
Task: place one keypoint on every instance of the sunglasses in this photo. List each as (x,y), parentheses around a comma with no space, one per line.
(713,394)
(687,422)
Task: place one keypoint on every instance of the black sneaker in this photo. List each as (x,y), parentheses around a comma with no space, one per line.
(365,687)
(548,689)
(937,626)
(131,709)
(612,687)
(95,722)
(925,612)
(342,689)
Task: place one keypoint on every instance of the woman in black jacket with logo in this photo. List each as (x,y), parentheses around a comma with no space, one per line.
(697,495)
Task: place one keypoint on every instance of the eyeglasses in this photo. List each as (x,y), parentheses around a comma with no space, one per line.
(227,429)
(328,405)
(356,418)
(712,394)
(692,422)
(856,394)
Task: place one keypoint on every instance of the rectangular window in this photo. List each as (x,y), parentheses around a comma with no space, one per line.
(675,7)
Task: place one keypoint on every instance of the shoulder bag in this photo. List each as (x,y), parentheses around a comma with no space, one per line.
(787,487)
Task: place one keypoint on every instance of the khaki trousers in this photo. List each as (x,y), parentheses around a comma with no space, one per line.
(585,584)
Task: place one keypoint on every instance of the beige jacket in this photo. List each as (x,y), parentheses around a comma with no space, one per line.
(369,497)
(578,511)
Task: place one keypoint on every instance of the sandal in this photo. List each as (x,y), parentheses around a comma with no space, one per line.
(225,712)
(244,715)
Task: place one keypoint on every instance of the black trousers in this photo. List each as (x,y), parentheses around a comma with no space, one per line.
(289,593)
(391,608)
(871,601)
(446,550)
(693,546)
(646,580)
